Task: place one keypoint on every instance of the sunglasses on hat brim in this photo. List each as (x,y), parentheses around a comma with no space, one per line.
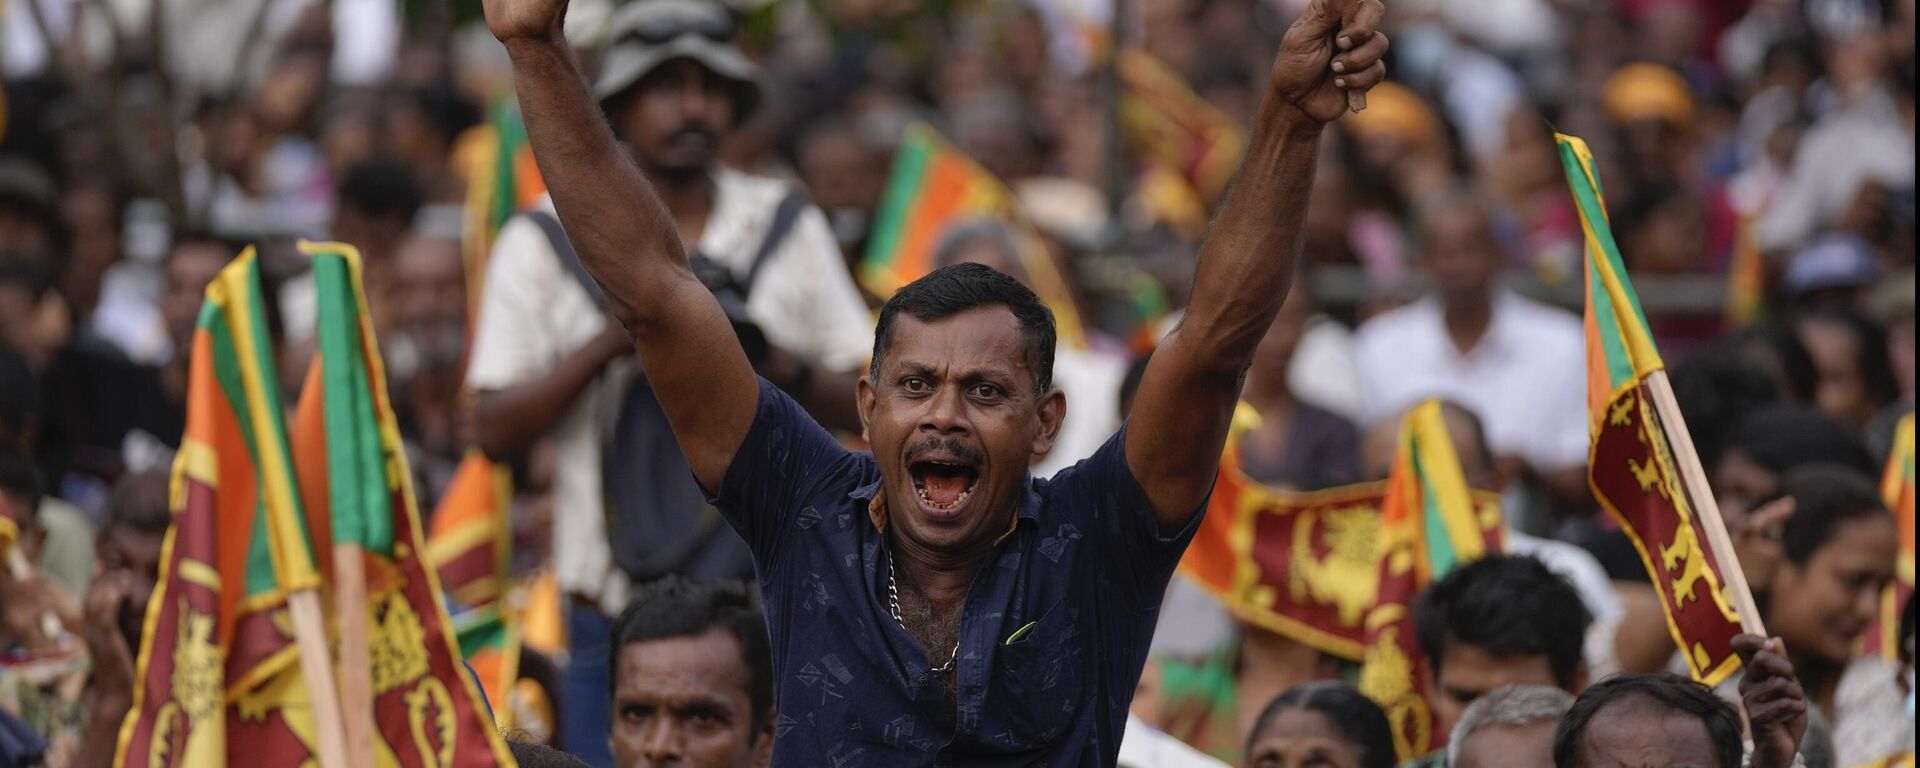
(719,29)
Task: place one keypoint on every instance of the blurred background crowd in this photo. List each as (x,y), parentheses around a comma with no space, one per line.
(1756,156)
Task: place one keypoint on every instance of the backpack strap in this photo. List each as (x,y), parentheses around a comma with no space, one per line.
(569,258)
(784,217)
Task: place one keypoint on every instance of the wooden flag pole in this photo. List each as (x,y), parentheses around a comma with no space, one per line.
(316,668)
(1694,480)
(356,684)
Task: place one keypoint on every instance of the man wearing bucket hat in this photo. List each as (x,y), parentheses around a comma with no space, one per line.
(548,364)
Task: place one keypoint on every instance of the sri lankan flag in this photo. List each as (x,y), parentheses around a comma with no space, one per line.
(1632,465)
(1180,137)
(218,669)
(470,548)
(1896,488)
(1303,565)
(426,711)
(933,185)
(1428,524)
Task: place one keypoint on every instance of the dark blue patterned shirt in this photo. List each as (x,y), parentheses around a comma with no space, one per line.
(1052,637)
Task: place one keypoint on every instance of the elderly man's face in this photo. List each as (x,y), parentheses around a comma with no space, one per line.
(955,418)
(1517,746)
(686,702)
(1637,733)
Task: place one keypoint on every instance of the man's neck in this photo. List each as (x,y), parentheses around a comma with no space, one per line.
(690,198)
(1467,319)
(941,577)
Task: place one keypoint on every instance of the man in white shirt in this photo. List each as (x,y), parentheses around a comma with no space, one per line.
(1520,364)
(547,361)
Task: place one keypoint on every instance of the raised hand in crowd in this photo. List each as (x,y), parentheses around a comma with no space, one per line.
(1773,700)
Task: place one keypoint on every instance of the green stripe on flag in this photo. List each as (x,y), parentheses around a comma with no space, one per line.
(1441,555)
(510,134)
(896,204)
(260,578)
(356,465)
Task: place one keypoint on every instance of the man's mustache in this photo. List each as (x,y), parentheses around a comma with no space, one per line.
(949,447)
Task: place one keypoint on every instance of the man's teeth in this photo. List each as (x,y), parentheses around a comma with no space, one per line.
(957,500)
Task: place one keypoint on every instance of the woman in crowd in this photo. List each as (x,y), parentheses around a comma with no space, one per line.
(1835,555)
(1321,724)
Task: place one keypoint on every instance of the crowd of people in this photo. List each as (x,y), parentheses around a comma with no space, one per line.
(1756,157)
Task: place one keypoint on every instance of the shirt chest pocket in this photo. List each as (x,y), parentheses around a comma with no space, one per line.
(1040,676)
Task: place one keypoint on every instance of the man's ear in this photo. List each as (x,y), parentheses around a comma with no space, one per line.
(763,739)
(864,400)
(1053,413)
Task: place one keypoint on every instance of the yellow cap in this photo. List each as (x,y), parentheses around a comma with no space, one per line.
(1647,91)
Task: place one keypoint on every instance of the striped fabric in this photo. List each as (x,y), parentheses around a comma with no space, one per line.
(1896,488)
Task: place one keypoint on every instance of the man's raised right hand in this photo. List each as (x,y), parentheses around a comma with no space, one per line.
(513,20)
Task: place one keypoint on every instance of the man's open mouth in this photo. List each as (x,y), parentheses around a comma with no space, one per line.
(943,486)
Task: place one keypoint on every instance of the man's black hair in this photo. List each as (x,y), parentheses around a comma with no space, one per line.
(1795,361)
(20,478)
(956,288)
(674,607)
(1360,722)
(1669,692)
(1824,497)
(1780,437)
(1716,393)
(382,188)
(1505,606)
(139,502)
(19,396)
(530,755)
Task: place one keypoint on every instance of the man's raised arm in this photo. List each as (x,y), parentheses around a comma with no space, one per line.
(627,241)
(1186,399)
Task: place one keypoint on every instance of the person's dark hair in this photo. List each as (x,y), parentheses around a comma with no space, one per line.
(1870,349)
(954,289)
(1717,393)
(19,396)
(1360,722)
(1669,692)
(1506,606)
(1796,363)
(449,113)
(19,477)
(231,246)
(1824,497)
(139,502)
(674,607)
(531,755)
(18,270)
(382,188)
(1782,436)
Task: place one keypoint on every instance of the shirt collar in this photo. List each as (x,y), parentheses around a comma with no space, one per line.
(874,494)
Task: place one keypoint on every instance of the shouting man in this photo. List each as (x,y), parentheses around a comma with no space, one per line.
(930,602)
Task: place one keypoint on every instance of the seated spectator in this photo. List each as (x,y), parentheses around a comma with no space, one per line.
(1835,554)
(130,551)
(1296,444)
(1512,726)
(1499,621)
(693,678)
(1856,378)
(1516,362)
(1321,724)
(1645,720)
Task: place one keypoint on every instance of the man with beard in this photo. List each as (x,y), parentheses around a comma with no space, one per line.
(930,602)
(548,362)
